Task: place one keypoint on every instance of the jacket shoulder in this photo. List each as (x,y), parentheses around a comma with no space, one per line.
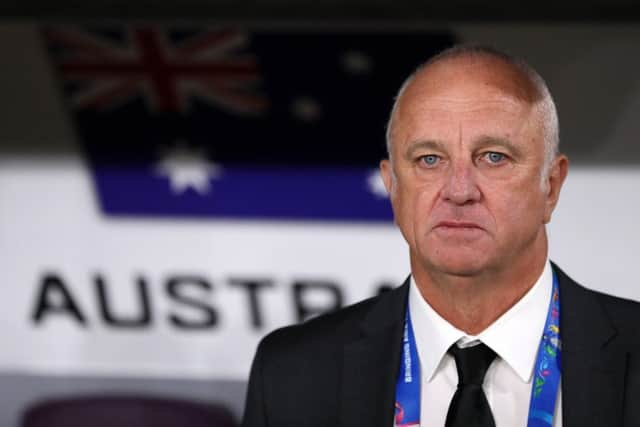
(324,336)
(624,315)
(337,326)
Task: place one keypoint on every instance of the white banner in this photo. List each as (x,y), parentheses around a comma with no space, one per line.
(185,298)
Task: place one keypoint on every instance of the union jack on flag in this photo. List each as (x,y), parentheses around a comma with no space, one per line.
(213,66)
(236,123)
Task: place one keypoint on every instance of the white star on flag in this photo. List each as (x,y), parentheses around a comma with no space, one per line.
(188,168)
(376,185)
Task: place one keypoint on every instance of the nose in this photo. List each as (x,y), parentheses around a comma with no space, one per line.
(460,185)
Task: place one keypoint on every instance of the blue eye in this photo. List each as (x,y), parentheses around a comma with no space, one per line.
(430,160)
(494,157)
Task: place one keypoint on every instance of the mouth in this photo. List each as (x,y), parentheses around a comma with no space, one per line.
(453,225)
(458,231)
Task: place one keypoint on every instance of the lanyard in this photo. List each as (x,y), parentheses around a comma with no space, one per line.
(544,387)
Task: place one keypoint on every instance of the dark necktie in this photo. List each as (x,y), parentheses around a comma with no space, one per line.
(469,406)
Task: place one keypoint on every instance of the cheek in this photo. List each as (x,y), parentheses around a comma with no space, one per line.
(421,205)
(411,207)
(520,209)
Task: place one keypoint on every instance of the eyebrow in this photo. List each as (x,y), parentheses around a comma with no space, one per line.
(482,142)
(486,141)
(422,145)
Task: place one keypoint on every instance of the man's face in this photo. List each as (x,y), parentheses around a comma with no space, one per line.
(465,173)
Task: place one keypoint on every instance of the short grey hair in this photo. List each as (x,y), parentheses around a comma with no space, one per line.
(544,104)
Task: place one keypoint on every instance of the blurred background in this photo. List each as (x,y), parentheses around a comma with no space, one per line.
(179,179)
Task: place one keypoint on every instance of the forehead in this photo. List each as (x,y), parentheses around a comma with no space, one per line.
(476,75)
(475,91)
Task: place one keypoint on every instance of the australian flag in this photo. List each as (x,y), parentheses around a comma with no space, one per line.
(236,123)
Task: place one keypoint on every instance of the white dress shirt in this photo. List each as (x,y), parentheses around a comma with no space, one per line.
(515,337)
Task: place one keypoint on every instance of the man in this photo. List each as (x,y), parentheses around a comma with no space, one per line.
(485,331)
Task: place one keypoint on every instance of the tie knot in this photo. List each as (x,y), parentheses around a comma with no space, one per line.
(472,363)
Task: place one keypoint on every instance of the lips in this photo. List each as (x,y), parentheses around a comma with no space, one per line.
(457,224)
(458,231)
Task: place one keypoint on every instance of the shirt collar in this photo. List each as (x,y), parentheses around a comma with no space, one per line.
(514,336)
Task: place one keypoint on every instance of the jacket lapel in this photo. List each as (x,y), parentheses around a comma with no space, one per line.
(593,365)
(370,364)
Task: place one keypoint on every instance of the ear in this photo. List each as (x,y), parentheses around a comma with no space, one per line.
(387,175)
(556,177)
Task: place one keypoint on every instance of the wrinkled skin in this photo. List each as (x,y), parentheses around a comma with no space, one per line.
(465,177)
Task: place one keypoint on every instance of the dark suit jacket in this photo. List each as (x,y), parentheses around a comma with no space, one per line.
(340,369)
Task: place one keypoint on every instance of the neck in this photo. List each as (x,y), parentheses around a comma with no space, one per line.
(472,303)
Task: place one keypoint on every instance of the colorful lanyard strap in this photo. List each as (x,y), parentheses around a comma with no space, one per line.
(544,388)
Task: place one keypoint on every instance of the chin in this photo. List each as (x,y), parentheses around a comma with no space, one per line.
(460,269)
(459,263)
